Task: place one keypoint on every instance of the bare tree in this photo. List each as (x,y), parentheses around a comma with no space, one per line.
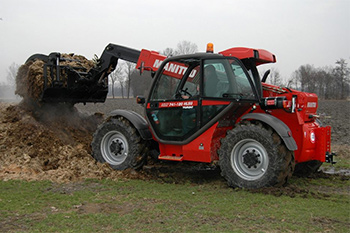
(11,74)
(342,72)
(294,81)
(116,75)
(186,47)
(112,79)
(129,68)
(169,52)
(275,77)
(122,86)
(324,80)
(305,76)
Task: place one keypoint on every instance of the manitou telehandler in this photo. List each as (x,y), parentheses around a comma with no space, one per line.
(204,107)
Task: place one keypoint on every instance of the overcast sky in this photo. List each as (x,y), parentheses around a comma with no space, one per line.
(298,32)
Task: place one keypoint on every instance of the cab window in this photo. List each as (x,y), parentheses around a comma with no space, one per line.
(225,78)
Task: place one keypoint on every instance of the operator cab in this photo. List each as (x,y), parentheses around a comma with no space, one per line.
(193,92)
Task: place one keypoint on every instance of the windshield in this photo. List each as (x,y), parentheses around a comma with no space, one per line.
(179,79)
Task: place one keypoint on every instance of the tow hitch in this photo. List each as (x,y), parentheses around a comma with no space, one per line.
(329,158)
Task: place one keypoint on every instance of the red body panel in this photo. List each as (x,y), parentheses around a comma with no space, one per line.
(202,149)
(198,150)
(214,102)
(151,60)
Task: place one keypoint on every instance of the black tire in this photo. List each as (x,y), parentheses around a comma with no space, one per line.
(254,157)
(307,168)
(118,143)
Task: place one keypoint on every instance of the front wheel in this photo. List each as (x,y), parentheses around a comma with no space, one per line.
(118,143)
(252,156)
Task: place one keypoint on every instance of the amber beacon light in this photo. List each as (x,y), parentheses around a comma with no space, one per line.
(210,48)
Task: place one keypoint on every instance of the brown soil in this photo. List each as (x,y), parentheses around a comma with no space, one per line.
(50,143)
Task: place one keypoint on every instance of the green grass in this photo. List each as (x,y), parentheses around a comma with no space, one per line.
(150,206)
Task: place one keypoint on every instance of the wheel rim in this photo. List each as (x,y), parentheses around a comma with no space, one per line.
(114,148)
(249,159)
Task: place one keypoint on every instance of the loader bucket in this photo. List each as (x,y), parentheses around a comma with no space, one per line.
(61,78)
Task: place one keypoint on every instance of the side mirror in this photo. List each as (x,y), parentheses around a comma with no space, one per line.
(265,76)
(140,100)
(153,73)
(142,68)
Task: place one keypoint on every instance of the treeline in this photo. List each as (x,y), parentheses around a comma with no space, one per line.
(127,82)
(129,86)
(327,82)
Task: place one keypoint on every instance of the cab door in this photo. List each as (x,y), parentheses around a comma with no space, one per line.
(173,107)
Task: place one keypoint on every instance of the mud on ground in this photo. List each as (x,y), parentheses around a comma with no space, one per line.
(50,143)
(53,143)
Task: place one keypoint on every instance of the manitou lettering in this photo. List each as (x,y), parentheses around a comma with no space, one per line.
(193,73)
(174,68)
(157,63)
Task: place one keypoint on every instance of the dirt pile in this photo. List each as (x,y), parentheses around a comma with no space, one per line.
(50,143)
(30,77)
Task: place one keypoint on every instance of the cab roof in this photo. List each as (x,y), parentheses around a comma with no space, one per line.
(260,56)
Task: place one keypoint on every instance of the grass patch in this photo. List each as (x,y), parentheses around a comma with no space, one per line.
(149,206)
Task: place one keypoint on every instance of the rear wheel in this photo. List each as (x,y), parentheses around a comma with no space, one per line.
(254,157)
(118,143)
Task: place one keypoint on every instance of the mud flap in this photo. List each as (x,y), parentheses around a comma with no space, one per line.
(280,127)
